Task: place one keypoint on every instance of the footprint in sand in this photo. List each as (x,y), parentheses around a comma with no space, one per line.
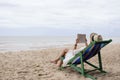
(24,72)
(45,75)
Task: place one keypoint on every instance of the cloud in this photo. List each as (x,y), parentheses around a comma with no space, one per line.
(67,14)
(7,5)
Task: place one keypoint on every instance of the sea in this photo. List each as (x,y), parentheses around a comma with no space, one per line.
(23,43)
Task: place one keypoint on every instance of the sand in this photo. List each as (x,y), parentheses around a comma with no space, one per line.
(35,65)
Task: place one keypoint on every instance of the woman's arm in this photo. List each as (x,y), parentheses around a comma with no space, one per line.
(77,41)
(86,43)
(75,46)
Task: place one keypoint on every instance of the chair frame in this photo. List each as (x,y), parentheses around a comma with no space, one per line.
(82,69)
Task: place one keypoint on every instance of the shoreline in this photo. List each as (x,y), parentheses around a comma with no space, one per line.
(14,44)
(39,49)
(49,47)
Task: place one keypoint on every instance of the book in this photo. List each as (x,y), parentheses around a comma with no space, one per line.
(81,38)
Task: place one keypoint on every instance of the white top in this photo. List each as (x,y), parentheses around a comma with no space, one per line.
(70,54)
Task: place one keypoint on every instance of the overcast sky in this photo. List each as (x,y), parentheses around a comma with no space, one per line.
(59,17)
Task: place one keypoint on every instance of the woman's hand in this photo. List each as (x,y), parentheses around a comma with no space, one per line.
(77,41)
(86,42)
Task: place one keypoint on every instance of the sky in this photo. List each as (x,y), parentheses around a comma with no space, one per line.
(59,17)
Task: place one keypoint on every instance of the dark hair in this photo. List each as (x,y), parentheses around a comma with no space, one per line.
(93,38)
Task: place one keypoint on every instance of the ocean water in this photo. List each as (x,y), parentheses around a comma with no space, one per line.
(33,43)
(38,42)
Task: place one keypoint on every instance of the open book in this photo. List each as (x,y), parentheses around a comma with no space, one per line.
(81,38)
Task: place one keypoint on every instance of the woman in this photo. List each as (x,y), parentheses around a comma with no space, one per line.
(68,54)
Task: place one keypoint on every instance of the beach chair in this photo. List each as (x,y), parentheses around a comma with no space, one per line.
(83,56)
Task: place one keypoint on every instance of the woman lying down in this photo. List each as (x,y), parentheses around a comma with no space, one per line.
(70,53)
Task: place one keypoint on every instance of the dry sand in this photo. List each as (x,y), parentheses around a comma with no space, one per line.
(35,65)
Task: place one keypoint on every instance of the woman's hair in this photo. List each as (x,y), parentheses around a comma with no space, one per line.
(95,37)
(92,36)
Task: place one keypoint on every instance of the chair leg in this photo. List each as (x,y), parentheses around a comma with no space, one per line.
(83,70)
(80,70)
(100,62)
(82,65)
(91,77)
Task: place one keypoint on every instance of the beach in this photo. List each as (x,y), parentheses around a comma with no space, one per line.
(34,32)
(35,65)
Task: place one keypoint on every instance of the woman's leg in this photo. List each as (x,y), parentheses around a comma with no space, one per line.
(60,55)
(59,63)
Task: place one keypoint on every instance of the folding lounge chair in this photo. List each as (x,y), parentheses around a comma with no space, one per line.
(82,57)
